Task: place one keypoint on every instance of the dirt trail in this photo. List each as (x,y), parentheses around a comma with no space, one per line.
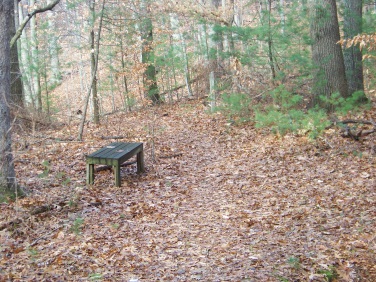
(220,203)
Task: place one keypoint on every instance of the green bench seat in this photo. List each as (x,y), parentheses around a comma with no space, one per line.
(114,155)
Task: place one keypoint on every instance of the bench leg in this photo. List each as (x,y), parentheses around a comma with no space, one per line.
(117,175)
(90,174)
(140,162)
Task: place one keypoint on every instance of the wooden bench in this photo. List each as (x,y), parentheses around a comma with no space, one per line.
(114,155)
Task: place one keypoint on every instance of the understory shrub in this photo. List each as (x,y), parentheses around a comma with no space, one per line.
(236,106)
(342,105)
(283,112)
(286,115)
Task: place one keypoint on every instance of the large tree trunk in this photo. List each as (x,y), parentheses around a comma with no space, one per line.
(150,74)
(329,76)
(7,174)
(353,56)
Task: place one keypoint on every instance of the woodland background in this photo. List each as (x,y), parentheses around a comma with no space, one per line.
(258,121)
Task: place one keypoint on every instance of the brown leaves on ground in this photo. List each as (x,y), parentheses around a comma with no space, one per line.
(217,203)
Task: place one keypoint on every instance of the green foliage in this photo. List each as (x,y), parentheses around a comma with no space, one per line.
(357,154)
(129,101)
(76,227)
(294,262)
(281,116)
(33,254)
(343,105)
(284,100)
(282,279)
(46,171)
(95,277)
(285,115)
(64,179)
(315,122)
(279,122)
(236,106)
(330,273)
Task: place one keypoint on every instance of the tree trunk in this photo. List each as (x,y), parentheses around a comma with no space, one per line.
(238,21)
(94,89)
(270,41)
(150,74)
(212,95)
(353,56)
(16,82)
(179,36)
(93,76)
(329,76)
(35,61)
(7,173)
(127,103)
(53,49)
(24,58)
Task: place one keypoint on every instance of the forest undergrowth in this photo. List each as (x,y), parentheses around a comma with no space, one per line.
(218,202)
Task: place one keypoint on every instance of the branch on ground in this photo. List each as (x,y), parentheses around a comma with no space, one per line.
(348,132)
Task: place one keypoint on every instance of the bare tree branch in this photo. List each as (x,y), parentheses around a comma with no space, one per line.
(27,19)
(348,132)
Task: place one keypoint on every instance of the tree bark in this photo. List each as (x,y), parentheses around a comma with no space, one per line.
(7,173)
(24,59)
(179,36)
(329,75)
(16,82)
(150,74)
(93,76)
(94,89)
(353,56)
(35,61)
(270,41)
(212,97)
(53,47)
(29,17)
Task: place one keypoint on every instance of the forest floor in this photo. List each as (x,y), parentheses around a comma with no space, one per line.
(218,202)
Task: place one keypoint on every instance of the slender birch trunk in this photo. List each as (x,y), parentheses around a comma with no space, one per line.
(35,61)
(24,57)
(55,77)
(94,66)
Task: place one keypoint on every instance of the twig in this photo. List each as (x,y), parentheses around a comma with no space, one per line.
(112,137)
(171,156)
(44,236)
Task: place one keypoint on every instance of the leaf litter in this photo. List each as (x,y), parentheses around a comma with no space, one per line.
(217,203)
